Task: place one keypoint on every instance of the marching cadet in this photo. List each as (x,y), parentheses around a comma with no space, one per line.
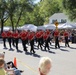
(38,36)
(66,35)
(46,36)
(41,39)
(16,38)
(49,38)
(4,36)
(56,36)
(9,36)
(31,39)
(24,36)
(13,40)
(36,39)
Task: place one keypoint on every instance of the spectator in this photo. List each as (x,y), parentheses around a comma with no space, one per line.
(45,65)
(2,70)
(2,55)
(17,72)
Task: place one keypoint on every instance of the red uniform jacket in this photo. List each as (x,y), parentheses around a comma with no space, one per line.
(39,34)
(9,34)
(31,36)
(4,35)
(45,36)
(66,34)
(23,35)
(56,33)
(48,32)
(15,35)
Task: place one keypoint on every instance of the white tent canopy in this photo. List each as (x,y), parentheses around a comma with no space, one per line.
(6,28)
(40,28)
(49,26)
(66,26)
(24,27)
(30,27)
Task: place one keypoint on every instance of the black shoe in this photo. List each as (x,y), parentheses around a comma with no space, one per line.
(34,52)
(59,47)
(68,46)
(5,48)
(55,47)
(41,48)
(48,49)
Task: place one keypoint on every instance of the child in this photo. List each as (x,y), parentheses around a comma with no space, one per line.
(2,70)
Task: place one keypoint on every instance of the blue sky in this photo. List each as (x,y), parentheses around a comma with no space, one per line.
(36,1)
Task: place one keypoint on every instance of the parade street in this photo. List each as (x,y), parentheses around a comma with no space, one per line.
(63,59)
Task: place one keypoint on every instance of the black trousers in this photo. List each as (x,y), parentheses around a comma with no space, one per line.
(9,41)
(47,44)
(49,40)
(73,39)
(16,42)
(66,41)
(4,42)
(32,46)
(13,41)
(24,45)
(57,42)
(40,43)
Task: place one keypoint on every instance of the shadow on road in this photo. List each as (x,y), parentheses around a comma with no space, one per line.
(5,48)
(72,48)
(36,55)
(62,46)
(28,53)
(52,47)
(11,49)
(64,50)
(19,51)
(52,52)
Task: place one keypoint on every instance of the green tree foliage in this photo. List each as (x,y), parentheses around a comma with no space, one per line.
(69,7)
(34,17)
(48,8)
(3,13)
(14,10)
(19,12)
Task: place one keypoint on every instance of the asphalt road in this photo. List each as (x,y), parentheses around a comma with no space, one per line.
(64,59)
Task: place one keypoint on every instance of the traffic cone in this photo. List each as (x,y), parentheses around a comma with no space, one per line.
(15,62)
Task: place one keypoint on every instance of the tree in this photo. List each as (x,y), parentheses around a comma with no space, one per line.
(3,13)
(69,7)
(16,10)
(35,16)
(11,8)
(48,8)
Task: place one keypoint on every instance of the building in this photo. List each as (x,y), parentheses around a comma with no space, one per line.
(60,17)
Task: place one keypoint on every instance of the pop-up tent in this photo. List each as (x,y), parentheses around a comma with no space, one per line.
(30,27)
(49,26)
(6,28)
(40,28)
(66,26)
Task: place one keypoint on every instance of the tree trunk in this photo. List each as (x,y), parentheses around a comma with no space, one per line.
(11,19)
(2,24)
(19,19)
